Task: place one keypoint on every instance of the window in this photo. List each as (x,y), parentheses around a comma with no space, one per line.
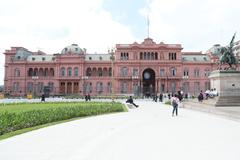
(172,56)
(141,55)
(69,72)
(75,71)
(88,72)
(162,72)
(173,87)
(99,87)
(124,56)
(29,87)
(51,86)
(173,72)
(40,87)
(124,71)
(135,72)
(15,86)
(109,87)
(18,57)
(62,72)
(90,58)
(100,72)
(76,49)
(196,73)
(17,72)
(43,58)
(185,72)
(196,87)
(53,58)
(207,72)
(100,58)
(124,87)
(33,59)
(30,72)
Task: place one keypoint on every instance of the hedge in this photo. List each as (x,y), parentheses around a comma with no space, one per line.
(12,121)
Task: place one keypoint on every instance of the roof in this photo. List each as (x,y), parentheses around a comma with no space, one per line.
(41,58)
(195,58)
(97,57)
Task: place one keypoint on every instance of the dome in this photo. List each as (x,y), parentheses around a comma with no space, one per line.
(73,49)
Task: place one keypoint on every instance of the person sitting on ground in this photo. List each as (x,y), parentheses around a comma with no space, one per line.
(130,100)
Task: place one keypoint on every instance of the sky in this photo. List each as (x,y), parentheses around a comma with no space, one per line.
(97,25)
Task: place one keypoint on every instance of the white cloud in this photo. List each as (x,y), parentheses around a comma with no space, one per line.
(195,24)
(50,25)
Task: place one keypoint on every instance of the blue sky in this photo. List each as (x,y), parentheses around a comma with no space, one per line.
(97,25)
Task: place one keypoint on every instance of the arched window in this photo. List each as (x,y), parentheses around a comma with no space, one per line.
(30,72)
(51,72)
(76,71)
(62,72)
(100,72)
(35,72)
(152,56)
(148,56)
(17,72)
(69,71)
(88,72)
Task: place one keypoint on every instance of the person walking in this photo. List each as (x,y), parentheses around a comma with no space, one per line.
(175,102)
(130,100)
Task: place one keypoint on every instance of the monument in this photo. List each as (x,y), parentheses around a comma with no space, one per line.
(226,80)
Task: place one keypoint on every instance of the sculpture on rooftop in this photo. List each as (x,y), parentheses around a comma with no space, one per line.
(227,56)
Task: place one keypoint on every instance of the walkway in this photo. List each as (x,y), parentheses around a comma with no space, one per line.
(146,133)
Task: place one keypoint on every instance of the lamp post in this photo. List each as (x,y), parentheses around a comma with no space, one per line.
(112,58)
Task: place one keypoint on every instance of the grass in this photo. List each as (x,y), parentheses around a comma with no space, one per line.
(23,117)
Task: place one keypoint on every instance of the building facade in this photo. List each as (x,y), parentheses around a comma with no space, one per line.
(145,68)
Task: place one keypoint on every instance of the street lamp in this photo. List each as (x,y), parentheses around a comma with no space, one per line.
(112,58)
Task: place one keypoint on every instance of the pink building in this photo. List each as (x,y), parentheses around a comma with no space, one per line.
(139,69)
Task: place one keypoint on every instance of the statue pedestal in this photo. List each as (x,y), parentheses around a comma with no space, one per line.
(227,84)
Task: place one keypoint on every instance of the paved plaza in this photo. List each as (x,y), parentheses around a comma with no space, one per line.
(146,133)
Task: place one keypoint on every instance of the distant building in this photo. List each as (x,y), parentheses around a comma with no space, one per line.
(145,68)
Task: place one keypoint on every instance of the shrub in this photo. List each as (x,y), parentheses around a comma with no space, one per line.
(15,120)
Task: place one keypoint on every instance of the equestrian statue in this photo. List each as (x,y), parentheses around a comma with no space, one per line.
(228,57)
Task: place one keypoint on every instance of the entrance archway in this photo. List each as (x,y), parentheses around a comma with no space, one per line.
(148,77)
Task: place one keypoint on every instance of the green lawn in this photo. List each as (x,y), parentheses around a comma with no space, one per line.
(20,116)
